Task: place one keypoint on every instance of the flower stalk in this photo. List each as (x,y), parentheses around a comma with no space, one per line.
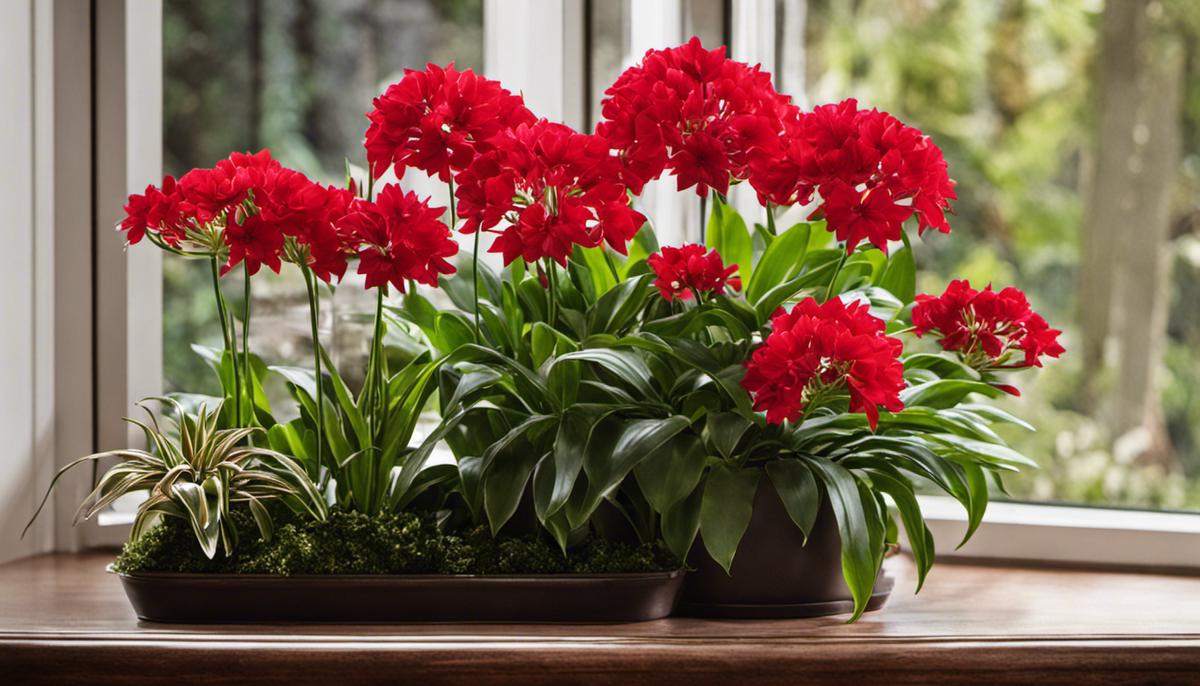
(314,315)
(227,335)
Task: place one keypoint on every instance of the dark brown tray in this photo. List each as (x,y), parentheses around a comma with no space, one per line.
(242,598)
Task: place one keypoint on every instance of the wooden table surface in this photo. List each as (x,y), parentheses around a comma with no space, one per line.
(64,620)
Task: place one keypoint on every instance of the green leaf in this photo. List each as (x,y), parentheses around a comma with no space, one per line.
(570,444)
(614,448)
(920,539)
(504,482)
(644,244)
(600,270)
(726,510)
(727,234)
(899,277)
(818,269)
(946,393)
(780,261)
(206,523)
(681,523)
(798,490)
(725,430)
(453,331)
(616,308)
(625,364)
(977,503)
(542,340)
(671,472)
(981,451)
(858,558)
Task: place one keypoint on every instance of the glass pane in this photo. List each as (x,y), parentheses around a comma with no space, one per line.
(1073,131)
(295,77)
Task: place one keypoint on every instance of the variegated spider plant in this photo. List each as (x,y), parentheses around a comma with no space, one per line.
(198,476)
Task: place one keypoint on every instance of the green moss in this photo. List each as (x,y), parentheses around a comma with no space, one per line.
(406,543)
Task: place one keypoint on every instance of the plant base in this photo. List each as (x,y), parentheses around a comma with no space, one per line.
(775,574)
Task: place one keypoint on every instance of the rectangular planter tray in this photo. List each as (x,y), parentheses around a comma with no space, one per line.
(551,598)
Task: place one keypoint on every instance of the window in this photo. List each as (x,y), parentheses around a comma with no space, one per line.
(295,77)
(1079,178)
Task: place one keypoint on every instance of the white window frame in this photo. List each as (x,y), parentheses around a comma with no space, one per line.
(545,60)
(97,120)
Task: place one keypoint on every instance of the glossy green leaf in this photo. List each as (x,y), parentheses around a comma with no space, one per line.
(920,539)
(781,260)
(625,364)
(681,523)
(797,488)
(614,310)
(504,482)
(727,234)
(724,430)
(858,557)
(899,277)
(945,393)
(671,472)
(726,510)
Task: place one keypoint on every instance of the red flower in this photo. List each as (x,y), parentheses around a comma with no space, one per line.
(254,206)
(991,330)
(160,211)
(689,268)
(871,171)
(437,120)
(819,352)
(397,238)
(553,187)
(213,191)
(255,241)
(692,111)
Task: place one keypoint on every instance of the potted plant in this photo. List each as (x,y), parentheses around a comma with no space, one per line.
(773,394)
(616,411)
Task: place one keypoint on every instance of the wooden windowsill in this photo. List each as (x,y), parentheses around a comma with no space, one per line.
(64,620)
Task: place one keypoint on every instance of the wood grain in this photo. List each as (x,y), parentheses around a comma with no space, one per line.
(64,620)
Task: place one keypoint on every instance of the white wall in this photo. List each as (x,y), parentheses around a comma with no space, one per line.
(18,349)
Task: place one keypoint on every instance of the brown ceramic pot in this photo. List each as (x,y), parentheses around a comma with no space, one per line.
(774,573)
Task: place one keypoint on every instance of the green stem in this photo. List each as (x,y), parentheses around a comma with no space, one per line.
(249,380)
(771,219)
(552,291)
(836,272)
(314,314)
(703,218)
(373,384)
(227,337)
(474,265)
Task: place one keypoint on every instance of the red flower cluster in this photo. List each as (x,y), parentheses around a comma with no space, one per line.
(871,171)
(252,204)
(987,327)
(437,120)
(159,211)
(555,187)
(397,238)
(682,271)
(821,351)
(694,112)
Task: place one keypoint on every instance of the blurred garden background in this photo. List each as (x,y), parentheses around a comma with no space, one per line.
(1071,126)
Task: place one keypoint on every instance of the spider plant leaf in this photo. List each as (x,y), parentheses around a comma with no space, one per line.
(262,519)
(205,523)
(54,481)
